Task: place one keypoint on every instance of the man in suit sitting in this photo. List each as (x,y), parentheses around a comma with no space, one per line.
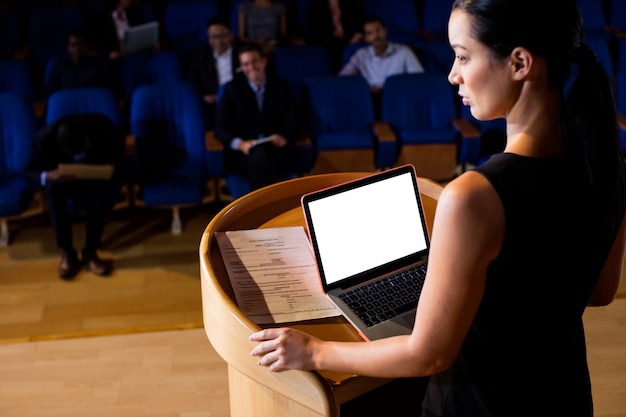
(84,139)
(213,65)
(257,105)
(81,67)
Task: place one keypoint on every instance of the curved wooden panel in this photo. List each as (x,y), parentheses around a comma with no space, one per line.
(294,393)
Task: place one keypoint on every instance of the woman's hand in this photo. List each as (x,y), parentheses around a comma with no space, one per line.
(282,349)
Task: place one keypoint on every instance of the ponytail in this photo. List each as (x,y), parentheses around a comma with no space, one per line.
(589,123)
(589,119)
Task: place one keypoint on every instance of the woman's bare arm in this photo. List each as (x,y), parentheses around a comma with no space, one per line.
(469,229)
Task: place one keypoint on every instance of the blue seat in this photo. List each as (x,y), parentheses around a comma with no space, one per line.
(342,126)
(83,100)
(435,55)
(594,19)
(167,123)
(16,77)
(492,138)
(400,16)
(185,24)
(617,16)
(350,49)
(150,67)
(435,15)
(296,63)
(17,129)
(420,109)
(601,48)
(71,101)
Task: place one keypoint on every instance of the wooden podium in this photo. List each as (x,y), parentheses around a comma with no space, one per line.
(254,391)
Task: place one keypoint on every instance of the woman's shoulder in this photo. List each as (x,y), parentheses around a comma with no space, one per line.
(469,188)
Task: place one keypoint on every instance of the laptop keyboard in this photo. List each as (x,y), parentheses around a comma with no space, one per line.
(386,298)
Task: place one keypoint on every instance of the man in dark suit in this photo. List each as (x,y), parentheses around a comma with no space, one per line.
(256,122)
(213,65)
(79,68)
(85,139)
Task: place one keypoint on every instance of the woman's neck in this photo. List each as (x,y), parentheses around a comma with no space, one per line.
(533,126)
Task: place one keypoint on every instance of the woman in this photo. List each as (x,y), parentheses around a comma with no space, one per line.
(263,22)
(520,245)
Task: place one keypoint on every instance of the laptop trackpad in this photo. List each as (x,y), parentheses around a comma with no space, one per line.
(407,320)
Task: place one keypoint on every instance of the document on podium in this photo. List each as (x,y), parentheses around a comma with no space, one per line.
(273,275)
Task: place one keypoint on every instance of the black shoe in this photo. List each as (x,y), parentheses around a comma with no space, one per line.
(69,266)
(96,265)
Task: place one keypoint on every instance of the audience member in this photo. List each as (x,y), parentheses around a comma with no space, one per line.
(256,105)
(213,65)
(85,139)
(110,32)
(263,22)
(79,68)
(380,59)
(117,17)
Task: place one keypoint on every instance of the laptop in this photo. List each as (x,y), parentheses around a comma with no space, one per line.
(370,242)
(141,37)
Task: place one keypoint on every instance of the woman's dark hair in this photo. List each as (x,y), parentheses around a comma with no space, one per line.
(555,33)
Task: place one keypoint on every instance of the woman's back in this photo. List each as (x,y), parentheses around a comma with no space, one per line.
(527,336)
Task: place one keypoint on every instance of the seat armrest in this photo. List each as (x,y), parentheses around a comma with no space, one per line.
(387,147)
(383,131)
(304,140)
(621,121)
(211,143)
(129,145)
(466,128)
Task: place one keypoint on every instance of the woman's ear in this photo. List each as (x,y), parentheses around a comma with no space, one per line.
(521,63)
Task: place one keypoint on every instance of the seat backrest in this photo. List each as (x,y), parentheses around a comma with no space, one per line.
(16,76)
(339,104)
(298,62)
(169,116)
(594,18)
(601,48)
(150,67)
(418,101)
(185,24)
(617,14)
(435,17)
(435,55)
(83,100)
(350,49)
(400,17)
(17,129)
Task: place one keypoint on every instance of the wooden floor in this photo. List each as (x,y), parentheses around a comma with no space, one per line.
(155,284)
(132,345)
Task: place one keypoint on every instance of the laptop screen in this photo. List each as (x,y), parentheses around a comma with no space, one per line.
(366,227)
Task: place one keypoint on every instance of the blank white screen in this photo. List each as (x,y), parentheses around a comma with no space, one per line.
(363,228)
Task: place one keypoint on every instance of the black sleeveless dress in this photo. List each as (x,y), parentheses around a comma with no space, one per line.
(525,352)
